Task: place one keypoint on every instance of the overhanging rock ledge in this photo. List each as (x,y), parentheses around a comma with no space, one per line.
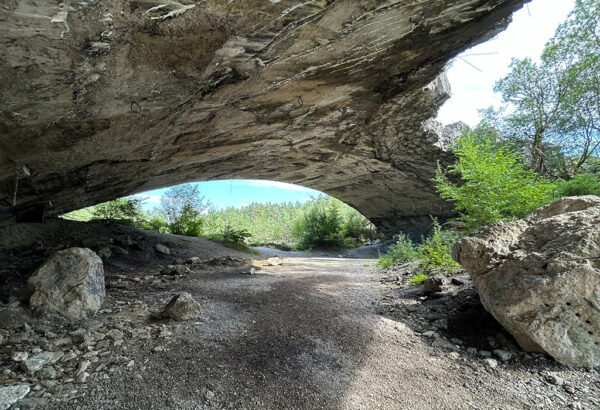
(105,99)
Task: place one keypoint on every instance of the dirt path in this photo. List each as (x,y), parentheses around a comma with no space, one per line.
(302,335)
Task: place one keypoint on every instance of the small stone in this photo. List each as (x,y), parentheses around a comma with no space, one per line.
(430,334)
(182,307)
(104,253)
(114,334)
(457,281)
(173,270)
(158,349)
(83,366)
(503,354)
(553,379)
(48,372)
(252,271)
(209,395)
(454,355)
(569,389)
(434,284)
(11,394)
(492,363)
(274,261)
(131,363)
(456,341)
(160,248)
(35,363)
(82,378)
(19,356)
(194,260)
(485,353)
(440,323)
(117,250)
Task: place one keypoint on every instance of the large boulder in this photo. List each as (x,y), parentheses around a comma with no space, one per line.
(70,283)
(540,278)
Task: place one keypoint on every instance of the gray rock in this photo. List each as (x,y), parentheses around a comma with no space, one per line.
(274,261)
(115,334)
(36,362)
(554,379)
(503,354)
(539,277)
(194,260)
(19,356)
(117,250)
(12,394)
(173,270)
(104,253)
(160,248)
(182,307)
(70,283)
(492,363)
(485,353)
(441,323)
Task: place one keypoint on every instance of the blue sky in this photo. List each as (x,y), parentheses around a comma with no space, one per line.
(239,192)
(472,89)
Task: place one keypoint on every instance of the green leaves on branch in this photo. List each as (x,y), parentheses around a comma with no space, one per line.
(494,184)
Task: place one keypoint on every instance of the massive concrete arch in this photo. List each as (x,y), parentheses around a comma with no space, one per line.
(105,99)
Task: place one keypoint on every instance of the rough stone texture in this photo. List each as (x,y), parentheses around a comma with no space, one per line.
(105,99)
(70,283)
(434,284)
(182,307)
(274,261)
(11,394)
(160,248)
(540,278)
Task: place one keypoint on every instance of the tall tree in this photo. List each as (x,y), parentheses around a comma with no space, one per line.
(557,101)
(181,197)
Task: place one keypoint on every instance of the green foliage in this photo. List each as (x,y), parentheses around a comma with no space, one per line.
(580,184)
(156,223)
(264,222)
(435,252)
(555,102)
(495,185)
(188,223)
(123,211)
(402,251)
(235,235)
(418,279)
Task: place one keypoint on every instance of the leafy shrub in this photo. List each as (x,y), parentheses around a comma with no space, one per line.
(418,278)
(123,211)
(580,184)
(495,185)
(156,223)
(236,236)
(177,198)
(188,223)
(402,251)
(435,252)
(320,225)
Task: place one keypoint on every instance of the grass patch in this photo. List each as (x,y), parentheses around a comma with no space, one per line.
(418,279)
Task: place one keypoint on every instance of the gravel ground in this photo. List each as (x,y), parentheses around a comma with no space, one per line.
(319,332)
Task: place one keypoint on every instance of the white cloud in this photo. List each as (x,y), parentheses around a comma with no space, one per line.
(271,184)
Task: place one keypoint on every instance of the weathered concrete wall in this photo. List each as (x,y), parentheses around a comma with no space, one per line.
(104,99)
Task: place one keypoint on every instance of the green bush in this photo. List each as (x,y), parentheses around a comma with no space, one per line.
(495,184)
(435,252)
(402,251)
(580,184)
(123,211)
(235,236)
(188,223)
(320,225)
(156,223)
